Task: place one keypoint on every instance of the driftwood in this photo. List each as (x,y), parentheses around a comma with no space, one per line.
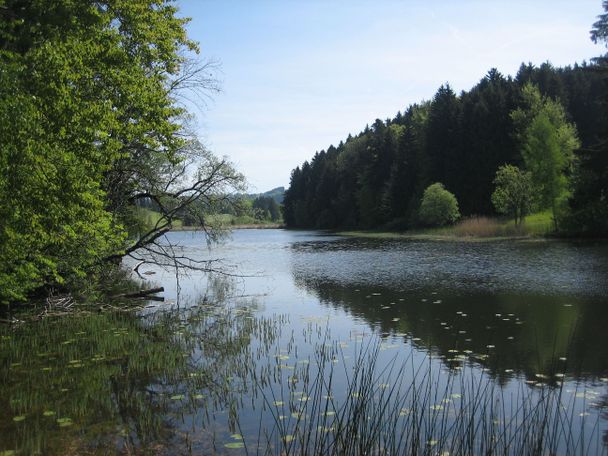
(141,294)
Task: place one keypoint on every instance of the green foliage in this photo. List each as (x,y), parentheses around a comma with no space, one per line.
(89,125)
(599,32)
(514,192)
(438,206)
(547,143)
(589,202)
(54,223)
(266,208)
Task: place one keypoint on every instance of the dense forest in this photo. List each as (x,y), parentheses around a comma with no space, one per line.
(376,179)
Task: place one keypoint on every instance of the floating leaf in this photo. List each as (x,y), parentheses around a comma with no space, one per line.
(278,403)
(198,396)
(237,436)
(19,418)
(235,445)
(288,438)
(177,397)
(64,422)
(330,413)
(48,413)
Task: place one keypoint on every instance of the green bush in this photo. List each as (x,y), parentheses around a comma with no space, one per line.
(438,206)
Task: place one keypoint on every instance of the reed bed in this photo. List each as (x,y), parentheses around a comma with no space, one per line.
(407,407)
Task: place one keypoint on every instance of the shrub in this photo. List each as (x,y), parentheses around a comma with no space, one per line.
(438,206)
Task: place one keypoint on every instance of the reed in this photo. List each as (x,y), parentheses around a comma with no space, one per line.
(405,407)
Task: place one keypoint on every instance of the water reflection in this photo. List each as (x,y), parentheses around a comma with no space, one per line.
(351,347)
(511,334)
(129,382)
(550,320)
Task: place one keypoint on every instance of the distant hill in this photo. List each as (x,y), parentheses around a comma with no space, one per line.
(276,194)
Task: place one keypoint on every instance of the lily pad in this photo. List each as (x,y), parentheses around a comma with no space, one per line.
(235,445)
(48,413)
(19,418)
(64,422)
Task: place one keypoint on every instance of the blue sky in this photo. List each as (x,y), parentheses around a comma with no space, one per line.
(298,76)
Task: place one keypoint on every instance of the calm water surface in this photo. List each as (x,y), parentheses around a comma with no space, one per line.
(308,331)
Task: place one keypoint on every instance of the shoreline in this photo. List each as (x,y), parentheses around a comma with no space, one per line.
(251,226)
(438,237)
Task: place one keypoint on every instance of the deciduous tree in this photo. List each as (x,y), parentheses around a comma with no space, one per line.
(514,192)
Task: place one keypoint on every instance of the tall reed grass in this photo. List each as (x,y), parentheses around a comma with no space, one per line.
(410,408)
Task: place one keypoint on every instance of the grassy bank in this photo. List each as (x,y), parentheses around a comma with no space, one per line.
(475,228)
(149,218)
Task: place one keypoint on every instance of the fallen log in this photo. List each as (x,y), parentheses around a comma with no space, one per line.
(140,293)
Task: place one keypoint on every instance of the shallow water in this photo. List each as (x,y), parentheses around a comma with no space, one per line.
(276,358)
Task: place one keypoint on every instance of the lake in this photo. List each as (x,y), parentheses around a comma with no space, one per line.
(310,343)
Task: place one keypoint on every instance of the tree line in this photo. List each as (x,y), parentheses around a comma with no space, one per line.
(377,178)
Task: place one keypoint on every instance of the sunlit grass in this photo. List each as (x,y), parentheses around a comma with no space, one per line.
(472,228)
(150,218)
